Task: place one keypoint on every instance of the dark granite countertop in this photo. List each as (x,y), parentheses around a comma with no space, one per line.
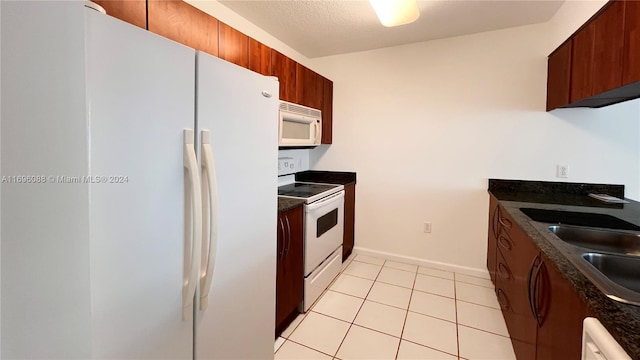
(621,320)
(327,177)
(286,204)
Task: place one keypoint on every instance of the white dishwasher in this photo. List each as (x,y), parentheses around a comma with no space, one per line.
(598,344)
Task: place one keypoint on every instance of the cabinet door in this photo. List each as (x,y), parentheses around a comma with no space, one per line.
(327,111)
(290,276)
(631,52)
(607,53)
(559,76)
(492,238)
(259,57)
(132,11)
(309,86)
(284,69)
(582,63)
(349,220)
(185,24)
(560,314)
(234,45)
(516,256)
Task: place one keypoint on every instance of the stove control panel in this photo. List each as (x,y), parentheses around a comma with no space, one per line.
(288,165)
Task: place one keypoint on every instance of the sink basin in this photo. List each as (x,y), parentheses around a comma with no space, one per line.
(622,270)
(601,240)
(579,219)
(610,259)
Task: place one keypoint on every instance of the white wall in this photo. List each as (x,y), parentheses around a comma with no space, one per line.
(425,125)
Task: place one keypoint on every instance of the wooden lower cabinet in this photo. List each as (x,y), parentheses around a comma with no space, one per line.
(513,265)
(492,243)
(560,315)
(349,220)
(542,311)
(290,270)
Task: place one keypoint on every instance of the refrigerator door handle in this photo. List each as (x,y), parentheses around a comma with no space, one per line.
(193,225)
(208,245)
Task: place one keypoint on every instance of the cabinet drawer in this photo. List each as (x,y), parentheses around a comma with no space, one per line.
(505,221)
(505,243)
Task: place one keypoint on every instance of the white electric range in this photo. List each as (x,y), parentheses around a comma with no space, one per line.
(323,234)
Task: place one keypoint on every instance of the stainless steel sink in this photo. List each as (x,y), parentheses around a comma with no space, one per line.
(601,240)
(622,270)
(609,258)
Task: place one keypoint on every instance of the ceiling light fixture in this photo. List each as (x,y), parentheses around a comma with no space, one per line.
(396,12)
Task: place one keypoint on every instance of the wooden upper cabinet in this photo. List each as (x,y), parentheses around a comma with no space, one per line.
(132,11)
(327,111)
(582,63)
(559,76)
(631,53)
(183,23)
(607,48)
(284,69)
(309,87)
(259,57)
(234,45)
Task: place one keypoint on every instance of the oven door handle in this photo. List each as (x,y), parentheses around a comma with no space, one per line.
(324,201)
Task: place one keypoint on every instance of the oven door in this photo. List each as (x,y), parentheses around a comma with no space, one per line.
(324,229)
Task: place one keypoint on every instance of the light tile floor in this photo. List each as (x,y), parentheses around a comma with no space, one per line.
(377,309)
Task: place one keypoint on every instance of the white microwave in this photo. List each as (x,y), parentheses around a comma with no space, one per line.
(300,126)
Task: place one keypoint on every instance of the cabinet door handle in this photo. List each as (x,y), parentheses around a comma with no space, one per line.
(537,315)
(503,300)
(529,278)
(504,271)
(281,253)
(505,222)
(504,243)
(494,223)
(286,218)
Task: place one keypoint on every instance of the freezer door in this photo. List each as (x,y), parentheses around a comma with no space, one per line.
(141,93)
(239,108)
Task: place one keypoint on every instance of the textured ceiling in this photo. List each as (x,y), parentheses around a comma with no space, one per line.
(327,27)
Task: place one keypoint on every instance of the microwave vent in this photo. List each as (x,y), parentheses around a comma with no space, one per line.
(299,109)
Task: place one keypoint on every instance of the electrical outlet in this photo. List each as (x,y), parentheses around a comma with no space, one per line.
(562,171)
(427,227)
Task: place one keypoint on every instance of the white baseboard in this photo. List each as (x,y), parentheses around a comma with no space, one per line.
(481,273)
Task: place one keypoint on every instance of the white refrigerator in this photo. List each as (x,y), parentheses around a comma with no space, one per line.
(138,194)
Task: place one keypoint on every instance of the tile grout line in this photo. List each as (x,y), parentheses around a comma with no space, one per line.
(358,312)
(455,300)
(406,314)
(429,347)
(308,347)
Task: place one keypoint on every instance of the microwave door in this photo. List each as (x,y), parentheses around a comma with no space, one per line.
(297,130)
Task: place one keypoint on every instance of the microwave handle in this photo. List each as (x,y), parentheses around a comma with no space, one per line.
(318,135)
